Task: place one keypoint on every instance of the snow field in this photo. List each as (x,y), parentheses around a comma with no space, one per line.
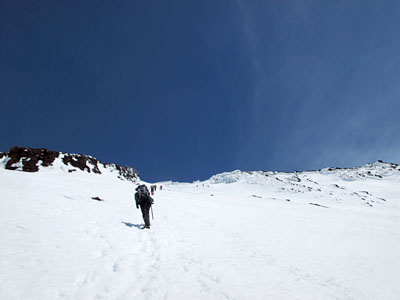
(242,240)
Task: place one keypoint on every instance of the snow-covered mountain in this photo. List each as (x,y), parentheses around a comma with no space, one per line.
(327,234)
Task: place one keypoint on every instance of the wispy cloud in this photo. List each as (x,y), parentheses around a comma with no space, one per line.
(251,36)
(325,90)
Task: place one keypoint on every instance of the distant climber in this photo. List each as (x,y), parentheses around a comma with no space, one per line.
(143,199)
(153,188)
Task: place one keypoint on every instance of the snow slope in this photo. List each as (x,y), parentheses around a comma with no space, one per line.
(329,234)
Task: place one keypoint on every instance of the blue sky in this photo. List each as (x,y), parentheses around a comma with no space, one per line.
(182,90)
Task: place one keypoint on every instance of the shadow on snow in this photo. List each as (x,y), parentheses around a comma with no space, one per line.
(139,226)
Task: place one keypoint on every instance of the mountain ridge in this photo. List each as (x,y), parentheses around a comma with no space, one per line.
(32,159)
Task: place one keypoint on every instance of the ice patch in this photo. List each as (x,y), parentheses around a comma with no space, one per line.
(226,177)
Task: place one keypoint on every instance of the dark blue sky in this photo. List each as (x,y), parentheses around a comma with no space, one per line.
(182,90)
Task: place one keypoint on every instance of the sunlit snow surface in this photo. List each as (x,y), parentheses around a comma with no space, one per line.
(239,235)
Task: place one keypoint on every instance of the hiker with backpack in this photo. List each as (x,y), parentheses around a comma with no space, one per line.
(143,199)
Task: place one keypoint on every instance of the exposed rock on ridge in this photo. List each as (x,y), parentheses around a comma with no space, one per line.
(124,172)
(30,159)
(27,158)
(82,162)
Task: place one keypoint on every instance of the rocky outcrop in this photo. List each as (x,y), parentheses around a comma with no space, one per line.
(82,162)
(27,158)
(30,159)
(126,172)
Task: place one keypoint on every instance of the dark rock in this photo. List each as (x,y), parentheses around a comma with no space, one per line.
(30,165)
(77,161)
(97,199)
(30,157)
(316,204)
(82,162)
(334,169)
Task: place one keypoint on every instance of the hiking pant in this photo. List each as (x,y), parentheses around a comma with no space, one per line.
(146,213)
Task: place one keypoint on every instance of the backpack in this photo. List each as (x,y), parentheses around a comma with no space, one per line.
(143,193)
(143,190)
